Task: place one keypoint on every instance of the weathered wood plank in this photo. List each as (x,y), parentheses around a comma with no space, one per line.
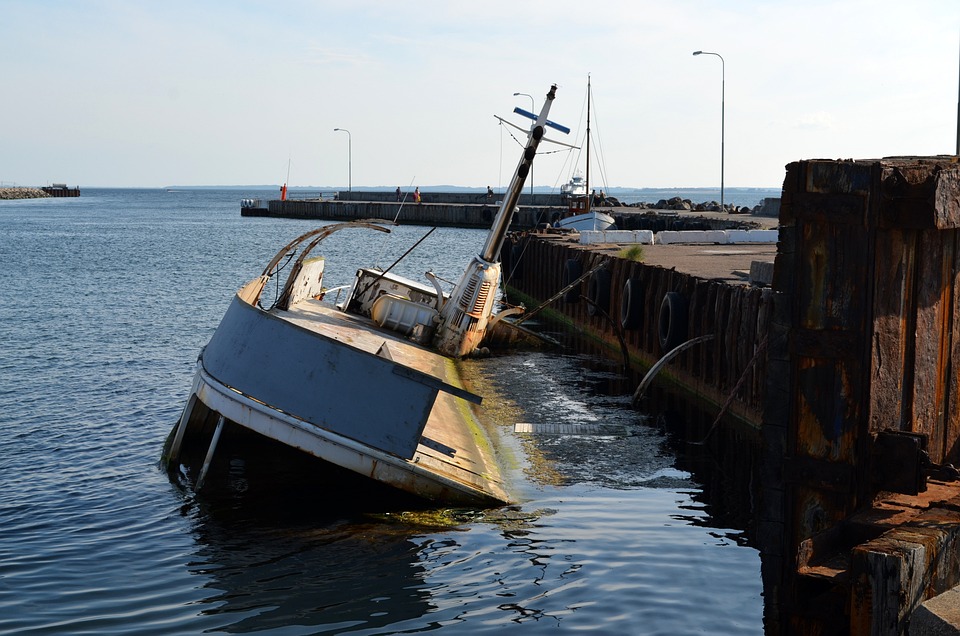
(932,353)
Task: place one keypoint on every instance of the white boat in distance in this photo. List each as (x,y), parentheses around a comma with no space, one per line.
(580,214)
(576,187)
(368,386)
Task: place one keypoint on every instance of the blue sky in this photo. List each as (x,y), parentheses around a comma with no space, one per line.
(136,93)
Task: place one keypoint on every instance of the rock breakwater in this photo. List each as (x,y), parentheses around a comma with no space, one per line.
(22,193)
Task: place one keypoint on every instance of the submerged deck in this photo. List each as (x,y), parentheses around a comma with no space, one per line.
(453,443)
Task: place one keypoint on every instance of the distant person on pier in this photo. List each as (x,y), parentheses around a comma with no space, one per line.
(416,195)
(399,194)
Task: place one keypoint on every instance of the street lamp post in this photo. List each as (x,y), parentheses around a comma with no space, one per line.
(349,157)
(532,108)
(723,81)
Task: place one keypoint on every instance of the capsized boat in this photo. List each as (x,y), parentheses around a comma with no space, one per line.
(367,385)
(580,214)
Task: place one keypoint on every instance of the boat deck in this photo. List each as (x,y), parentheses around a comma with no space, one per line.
(453,443)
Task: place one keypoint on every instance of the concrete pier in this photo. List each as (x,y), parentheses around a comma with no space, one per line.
(709,293)
(478,215)
(478,211)
(61,190)
(847,364)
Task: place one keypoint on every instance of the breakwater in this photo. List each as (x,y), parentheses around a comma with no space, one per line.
(433,214)
(462,210)
(22,193)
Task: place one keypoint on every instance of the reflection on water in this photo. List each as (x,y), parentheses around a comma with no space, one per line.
(620,529)
(341,574)
(672,442)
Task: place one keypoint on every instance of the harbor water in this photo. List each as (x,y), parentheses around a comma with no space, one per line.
(111,297)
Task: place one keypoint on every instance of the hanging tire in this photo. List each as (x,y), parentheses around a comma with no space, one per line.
(631,304)
(598,291)
(571,272)
(672,326)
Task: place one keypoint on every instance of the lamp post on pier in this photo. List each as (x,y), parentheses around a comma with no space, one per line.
(723,81)
(532,108)
(349,157)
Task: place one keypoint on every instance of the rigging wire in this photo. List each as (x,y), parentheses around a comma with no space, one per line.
(573,158)
(383,241)
(402,256)
(601,164)
(500,165)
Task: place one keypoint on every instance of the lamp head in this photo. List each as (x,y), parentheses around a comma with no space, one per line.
(697,52)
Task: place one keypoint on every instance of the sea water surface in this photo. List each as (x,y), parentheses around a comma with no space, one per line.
(109,298)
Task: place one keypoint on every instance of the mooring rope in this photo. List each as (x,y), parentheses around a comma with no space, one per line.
(736,389)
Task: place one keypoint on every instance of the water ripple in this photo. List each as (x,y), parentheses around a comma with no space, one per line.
(99,349)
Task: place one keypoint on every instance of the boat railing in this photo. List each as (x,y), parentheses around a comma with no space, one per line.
(336,299)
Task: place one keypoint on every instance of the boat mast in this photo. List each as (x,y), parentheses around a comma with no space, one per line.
(491,249)
(464,316)
(589,196)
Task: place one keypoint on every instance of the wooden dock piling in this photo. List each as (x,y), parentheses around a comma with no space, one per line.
(863,359)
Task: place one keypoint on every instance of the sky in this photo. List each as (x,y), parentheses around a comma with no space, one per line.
(136,93)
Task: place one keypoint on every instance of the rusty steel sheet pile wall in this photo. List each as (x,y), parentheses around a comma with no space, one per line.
(538,266)
(862,342)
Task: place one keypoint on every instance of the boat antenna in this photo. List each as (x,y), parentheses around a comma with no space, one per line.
(589,196)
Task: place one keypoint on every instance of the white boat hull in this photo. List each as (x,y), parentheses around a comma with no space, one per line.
(338,388)
(592,220)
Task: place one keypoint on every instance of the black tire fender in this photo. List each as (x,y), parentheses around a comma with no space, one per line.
(572,270)
(631,304)
(598,291)
(672,325)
